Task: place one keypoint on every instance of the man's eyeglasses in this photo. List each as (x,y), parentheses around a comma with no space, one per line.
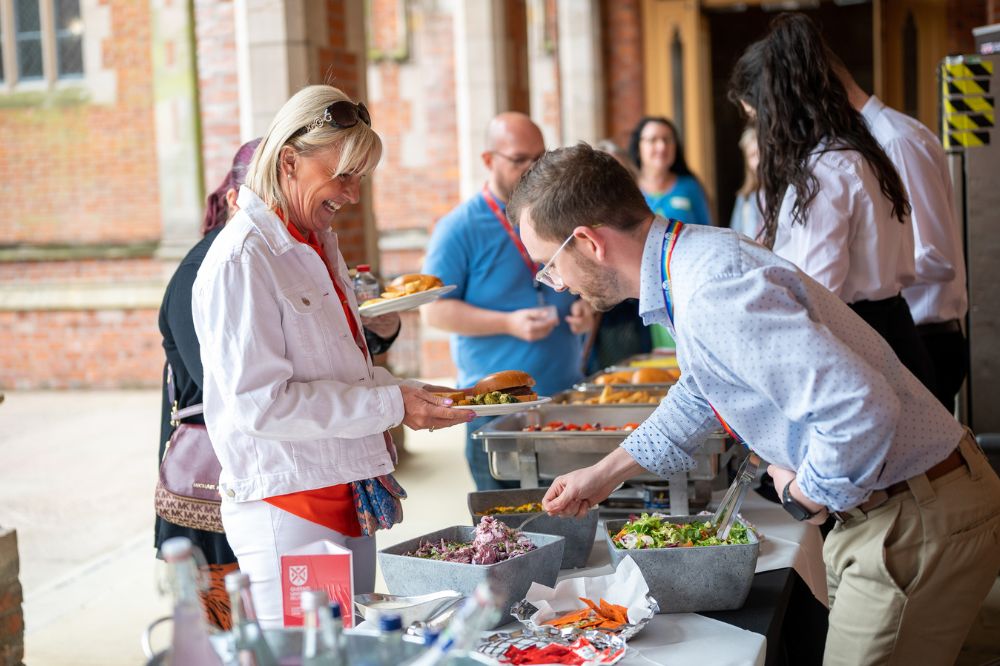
(519,160)
(549,275)
(339,115)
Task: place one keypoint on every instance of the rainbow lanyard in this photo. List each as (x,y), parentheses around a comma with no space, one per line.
(666,254)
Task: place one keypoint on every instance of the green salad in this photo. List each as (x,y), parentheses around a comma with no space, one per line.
(652,531)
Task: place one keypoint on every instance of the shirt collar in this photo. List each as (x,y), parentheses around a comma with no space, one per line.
(271,228)
(872,109)
(652,308)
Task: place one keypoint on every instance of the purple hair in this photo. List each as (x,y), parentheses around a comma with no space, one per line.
(216,207)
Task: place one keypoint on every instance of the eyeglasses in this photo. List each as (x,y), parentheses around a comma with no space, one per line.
(522,160)
(549,275)
(339,115)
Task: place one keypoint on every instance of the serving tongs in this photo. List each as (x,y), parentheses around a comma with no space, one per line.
(726,514)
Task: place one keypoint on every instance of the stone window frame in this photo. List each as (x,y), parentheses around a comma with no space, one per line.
(96,84)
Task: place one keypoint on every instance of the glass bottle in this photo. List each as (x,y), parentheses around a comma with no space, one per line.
(366,285)
(248,638)
(190,645)
(322,643)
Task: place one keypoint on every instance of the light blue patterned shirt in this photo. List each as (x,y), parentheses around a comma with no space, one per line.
(801,378)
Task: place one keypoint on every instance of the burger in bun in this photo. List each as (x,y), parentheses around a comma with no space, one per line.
(512,382)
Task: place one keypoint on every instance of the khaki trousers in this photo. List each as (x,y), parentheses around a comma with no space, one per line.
(907,580)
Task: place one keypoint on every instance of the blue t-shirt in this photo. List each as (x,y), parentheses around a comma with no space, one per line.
(685,201)
(470,249)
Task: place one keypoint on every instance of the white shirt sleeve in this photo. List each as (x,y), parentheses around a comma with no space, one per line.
(239,324)
(929,188)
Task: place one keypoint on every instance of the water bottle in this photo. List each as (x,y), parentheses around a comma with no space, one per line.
(390,639)
(190,645)
(366,285)
(477,614)
(248,638)
(322,642)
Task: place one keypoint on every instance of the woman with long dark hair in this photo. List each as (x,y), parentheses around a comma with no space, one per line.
(671,190)
(834,205)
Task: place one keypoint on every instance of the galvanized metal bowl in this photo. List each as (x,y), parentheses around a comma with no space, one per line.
(691,580)
(510,579)
(579,532)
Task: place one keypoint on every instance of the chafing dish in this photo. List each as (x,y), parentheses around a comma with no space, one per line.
(590,383)
(575,397)
(529,457)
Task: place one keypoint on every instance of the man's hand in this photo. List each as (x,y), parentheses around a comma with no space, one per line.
(573,494)
(581,317)
(783,477)
(530,324)
(384,326)
(423,410)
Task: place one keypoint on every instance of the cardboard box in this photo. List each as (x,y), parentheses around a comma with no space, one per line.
(322,565)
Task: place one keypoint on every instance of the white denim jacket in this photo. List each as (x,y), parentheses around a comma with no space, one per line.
(290,402)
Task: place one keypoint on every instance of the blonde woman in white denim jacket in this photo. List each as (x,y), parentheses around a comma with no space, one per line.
(295,409)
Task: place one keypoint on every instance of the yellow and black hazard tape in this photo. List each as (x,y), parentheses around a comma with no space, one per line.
(969,139)
(964,87)
(979,104)
(969,70)
(970,121)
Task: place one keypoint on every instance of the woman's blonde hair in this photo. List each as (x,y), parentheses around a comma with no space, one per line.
(750,182)
(360,147)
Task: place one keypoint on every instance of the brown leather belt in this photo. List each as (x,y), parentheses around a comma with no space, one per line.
(880,497)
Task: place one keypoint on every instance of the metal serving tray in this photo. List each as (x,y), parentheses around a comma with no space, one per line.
(574,397)
(589,384)
(530,457)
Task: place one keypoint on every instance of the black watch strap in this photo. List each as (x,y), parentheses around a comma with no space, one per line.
(793,507)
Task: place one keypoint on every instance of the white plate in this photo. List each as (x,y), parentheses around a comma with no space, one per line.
(405,302)
(497,410)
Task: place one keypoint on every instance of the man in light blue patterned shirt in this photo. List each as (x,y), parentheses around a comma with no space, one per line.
(805,383)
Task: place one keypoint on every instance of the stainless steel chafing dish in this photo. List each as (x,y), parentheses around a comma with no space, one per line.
(575,397)
(529,457)
(590,383)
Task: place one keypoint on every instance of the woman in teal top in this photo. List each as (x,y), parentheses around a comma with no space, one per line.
(670,188)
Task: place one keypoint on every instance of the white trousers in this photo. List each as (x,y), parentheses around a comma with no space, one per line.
(260,534)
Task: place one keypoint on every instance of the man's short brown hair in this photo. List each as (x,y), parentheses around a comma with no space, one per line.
(570,187)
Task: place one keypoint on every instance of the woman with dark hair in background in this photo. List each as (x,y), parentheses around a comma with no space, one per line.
(184,357)
(670,188)
(833,204)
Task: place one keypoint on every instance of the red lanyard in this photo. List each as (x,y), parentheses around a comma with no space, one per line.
(359,339)
(667,253)
(509,228)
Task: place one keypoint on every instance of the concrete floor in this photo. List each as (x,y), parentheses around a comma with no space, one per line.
(77,471)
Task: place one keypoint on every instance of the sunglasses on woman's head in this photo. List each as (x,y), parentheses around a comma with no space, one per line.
(339,115)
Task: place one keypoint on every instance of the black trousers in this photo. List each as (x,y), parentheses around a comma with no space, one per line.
(949,355)
(891,318)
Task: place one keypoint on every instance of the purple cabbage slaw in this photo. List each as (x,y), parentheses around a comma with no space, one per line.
(493,542)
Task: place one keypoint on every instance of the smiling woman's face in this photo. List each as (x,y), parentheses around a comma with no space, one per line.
(313,190)
(657,147)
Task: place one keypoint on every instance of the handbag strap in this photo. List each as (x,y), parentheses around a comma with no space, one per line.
(177,414)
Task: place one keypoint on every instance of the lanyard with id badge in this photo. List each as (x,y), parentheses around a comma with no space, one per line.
(516,240)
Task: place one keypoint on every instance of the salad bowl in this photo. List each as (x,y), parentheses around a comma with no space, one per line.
(509,579)
(692,579)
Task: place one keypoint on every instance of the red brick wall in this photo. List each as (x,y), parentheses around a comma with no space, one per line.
(340,67)
(414,197)
(88,271)
(84,173)
(551,112)
(622,46)
(218,84)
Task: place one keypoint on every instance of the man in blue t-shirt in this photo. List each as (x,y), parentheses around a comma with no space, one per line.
(496,317)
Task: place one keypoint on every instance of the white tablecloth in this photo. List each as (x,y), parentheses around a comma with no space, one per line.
(688,638)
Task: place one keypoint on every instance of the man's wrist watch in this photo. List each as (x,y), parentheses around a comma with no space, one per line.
(793,506)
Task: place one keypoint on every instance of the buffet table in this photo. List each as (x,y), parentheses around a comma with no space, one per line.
(782,622)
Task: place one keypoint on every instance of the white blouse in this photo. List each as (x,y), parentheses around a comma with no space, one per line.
(851,243)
